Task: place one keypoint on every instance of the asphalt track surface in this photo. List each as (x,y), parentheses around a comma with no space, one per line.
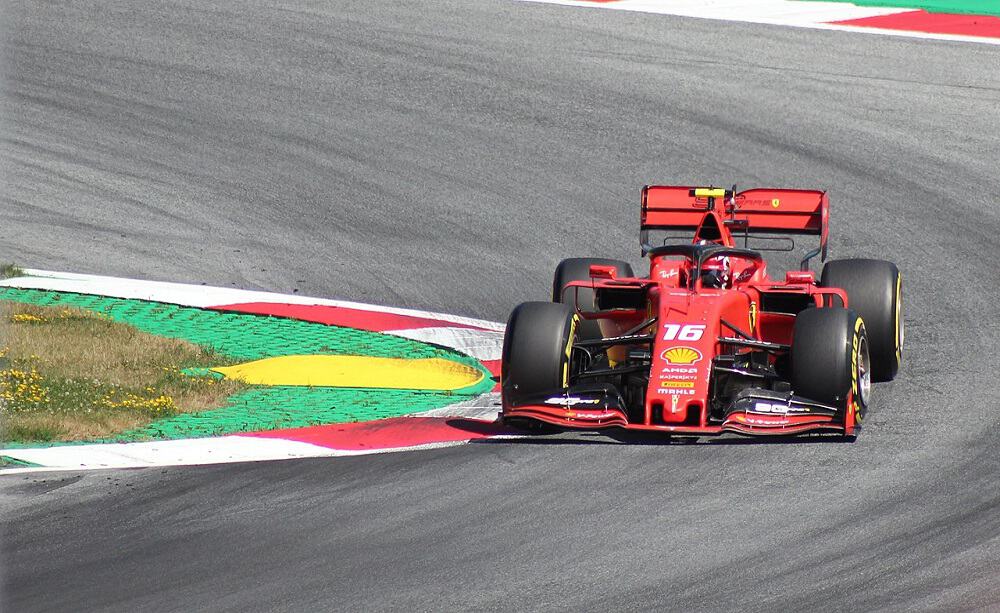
(445,155)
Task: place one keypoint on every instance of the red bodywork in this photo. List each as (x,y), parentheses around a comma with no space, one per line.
(692,321)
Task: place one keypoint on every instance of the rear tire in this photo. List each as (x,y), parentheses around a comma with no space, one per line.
(830,360)
(874,290)
(536,350)
(578,269)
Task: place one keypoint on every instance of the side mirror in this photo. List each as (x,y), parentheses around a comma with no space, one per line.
(600,271)
(800,276)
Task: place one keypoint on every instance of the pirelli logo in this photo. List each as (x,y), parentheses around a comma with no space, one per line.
(677,384)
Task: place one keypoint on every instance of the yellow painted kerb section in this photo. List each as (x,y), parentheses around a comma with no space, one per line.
(355,371)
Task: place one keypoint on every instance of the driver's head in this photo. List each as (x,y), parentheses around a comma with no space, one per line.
(716,273)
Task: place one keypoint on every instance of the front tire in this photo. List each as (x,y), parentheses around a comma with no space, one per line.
(830,360)
(536,350)
(874,290)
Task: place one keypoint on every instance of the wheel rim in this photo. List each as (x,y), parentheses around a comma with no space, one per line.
(864,373)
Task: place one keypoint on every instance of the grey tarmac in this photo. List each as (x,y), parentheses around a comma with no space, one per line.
(445,155)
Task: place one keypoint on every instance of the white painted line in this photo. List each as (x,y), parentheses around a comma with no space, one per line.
(771,11)
(215,450)
(192,452)
(792,13)
(908,34)
(483,345)
(203,296)
(485,407)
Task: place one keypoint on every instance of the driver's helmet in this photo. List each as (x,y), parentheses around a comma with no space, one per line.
(717,272)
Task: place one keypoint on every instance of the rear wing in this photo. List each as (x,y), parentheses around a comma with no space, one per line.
(753,211)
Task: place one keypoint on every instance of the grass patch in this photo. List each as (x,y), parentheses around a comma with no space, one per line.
(10,270)
(69,374)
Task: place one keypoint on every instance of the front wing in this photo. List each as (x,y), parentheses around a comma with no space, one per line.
(753,412)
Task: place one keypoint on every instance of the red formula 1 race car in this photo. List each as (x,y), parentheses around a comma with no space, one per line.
(708,343)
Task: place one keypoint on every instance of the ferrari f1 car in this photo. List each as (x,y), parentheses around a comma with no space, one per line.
(708,342)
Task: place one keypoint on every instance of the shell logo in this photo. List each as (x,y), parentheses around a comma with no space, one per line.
(681,355)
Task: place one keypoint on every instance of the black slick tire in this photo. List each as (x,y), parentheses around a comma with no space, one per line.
(536,350)
(874,290)
(830,359)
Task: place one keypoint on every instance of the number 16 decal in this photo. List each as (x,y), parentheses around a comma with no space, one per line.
(689,332)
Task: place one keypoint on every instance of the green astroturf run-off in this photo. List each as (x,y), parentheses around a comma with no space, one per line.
(251,337)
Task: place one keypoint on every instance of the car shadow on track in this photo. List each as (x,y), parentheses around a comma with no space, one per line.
(511,436)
